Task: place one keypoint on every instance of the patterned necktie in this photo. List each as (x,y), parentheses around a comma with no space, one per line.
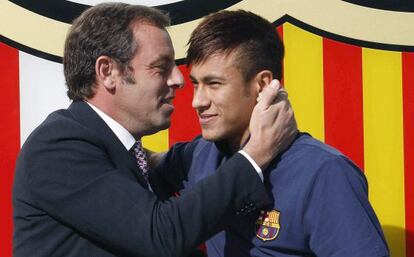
(141,158)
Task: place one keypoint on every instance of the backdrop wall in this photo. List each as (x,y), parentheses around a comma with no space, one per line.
(349,71)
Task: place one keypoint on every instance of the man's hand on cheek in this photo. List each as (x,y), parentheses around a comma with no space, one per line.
(272,125)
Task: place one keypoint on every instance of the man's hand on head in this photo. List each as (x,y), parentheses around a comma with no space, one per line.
(272,125)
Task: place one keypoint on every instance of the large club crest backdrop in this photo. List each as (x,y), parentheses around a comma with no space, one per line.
(349,71)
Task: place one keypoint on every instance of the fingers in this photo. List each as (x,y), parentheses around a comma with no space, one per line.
(281,100)
(282,94)
(272,118)
(269,94)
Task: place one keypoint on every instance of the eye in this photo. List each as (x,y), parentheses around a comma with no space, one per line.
(162,69)
(214,83)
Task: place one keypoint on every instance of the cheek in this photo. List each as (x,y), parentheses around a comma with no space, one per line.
(147,91)
(242,114)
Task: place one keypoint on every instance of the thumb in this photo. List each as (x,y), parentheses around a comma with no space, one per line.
(269,94)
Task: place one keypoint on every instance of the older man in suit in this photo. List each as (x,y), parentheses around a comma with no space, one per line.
(78,189)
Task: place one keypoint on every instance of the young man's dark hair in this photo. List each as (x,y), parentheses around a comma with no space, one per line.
(255,39)
(103,30)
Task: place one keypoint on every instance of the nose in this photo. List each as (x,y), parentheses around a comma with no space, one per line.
(176,79)
(200,98)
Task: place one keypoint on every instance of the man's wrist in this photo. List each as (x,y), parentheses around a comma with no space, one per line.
(253,163)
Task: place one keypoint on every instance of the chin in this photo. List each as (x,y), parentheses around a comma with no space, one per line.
(165,124)
(211,136)
(156,127)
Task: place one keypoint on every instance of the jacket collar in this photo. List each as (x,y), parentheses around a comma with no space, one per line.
(121,157)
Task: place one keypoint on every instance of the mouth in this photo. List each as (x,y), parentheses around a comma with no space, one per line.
(168,102)
(206,119)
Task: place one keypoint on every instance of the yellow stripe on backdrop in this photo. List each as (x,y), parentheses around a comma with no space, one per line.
(303,77)
(383,142)
(157,142)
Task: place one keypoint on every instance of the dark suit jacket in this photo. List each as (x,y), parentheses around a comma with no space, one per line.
(78,192)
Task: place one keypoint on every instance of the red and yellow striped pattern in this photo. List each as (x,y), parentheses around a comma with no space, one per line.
(357,99)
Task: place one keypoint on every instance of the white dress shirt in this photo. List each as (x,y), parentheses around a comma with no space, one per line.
(123,135)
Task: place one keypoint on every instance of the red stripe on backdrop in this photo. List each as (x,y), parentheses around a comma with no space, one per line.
(9,138)
(280,32)
(408,112)
(342,70)
(184,122)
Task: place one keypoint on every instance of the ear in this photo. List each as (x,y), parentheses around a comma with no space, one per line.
(105,70)
(262,79)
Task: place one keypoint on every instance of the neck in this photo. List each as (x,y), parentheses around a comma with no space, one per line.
(235,143)
(109,110)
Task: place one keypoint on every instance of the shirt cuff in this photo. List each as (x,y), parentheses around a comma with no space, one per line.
(253,163)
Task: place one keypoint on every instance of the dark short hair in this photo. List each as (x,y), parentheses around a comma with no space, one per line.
(104,29)
(255,40)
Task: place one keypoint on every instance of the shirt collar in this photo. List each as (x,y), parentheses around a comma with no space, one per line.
(126,138)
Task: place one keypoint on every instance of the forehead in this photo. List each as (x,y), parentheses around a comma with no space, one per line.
(222,64)
(153,42)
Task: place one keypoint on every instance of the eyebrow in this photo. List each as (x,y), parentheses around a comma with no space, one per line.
(207,78)
(161,59)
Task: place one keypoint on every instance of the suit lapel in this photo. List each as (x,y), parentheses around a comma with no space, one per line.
(121,157)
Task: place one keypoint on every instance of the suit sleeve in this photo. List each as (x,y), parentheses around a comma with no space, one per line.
(170,176)
(71,177)
(339,220)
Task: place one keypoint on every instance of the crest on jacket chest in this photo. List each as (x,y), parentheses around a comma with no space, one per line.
(267,225)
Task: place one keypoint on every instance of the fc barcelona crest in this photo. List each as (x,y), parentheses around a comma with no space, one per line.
(267,225)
